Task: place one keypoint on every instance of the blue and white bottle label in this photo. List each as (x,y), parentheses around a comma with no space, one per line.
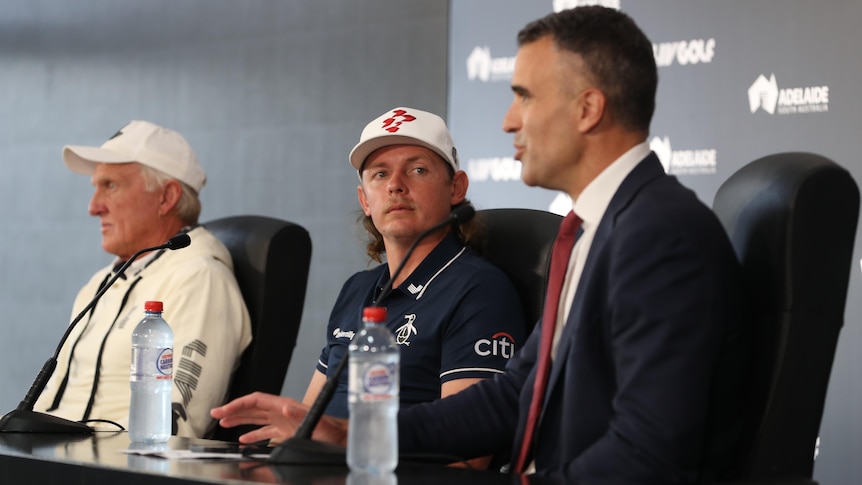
(152,363)
(378,382)
(378,378)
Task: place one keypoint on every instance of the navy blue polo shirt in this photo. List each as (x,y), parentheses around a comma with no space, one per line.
(456,316)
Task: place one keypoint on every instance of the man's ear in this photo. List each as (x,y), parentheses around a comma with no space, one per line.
(460,182)
(172,191)
(591,109)
(363,202)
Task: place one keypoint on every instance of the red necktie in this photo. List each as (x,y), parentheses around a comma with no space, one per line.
(559,265)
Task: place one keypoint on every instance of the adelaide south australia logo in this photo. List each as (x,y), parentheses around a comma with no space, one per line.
(765,94)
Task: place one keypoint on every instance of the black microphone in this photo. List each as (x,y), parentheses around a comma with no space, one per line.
(23,419)
(301,449)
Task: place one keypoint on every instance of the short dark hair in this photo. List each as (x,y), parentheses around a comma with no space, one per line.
(616,53)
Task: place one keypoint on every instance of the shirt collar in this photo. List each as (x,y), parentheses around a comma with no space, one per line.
(595,198)
(442,254)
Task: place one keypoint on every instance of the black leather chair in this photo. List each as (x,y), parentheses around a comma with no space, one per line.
(519,241)
(271,258)
(792,220)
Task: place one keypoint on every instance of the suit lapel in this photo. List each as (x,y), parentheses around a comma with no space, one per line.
(647,170)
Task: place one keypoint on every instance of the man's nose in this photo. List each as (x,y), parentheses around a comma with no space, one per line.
(396,183)
(96,207)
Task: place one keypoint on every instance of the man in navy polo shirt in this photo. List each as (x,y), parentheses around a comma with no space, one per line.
(451,311)
(456,317)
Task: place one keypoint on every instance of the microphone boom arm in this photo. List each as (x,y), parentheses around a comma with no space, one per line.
(23,418)
(301,449)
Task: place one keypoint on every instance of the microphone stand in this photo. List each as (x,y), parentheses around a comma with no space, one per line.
(301,449)
(23,419)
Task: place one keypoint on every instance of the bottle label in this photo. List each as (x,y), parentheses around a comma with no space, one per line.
(377,381)
(152,363)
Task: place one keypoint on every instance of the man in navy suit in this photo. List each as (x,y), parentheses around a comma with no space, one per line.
(646,381)
(650,347)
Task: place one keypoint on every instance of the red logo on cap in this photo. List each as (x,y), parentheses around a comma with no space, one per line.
(392,124)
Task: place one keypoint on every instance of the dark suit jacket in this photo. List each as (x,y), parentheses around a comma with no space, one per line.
(648,385)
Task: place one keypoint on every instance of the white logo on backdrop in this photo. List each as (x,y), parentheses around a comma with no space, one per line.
(765,94)
(567,4)
(481,66)
(683,162)
(499,169)
(684,52)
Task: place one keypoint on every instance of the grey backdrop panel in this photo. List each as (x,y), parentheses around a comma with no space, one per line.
(271,95)
(706,126)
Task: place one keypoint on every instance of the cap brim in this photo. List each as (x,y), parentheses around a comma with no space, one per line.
(361,151)
(81,159)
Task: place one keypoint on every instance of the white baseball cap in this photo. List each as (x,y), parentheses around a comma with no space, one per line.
(405,126)
(146,143)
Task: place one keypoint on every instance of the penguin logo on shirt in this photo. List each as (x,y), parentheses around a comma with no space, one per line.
(404,331)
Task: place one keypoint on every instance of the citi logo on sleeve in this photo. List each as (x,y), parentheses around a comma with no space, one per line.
(501,344)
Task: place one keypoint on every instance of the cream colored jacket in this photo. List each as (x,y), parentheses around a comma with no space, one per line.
(205,310)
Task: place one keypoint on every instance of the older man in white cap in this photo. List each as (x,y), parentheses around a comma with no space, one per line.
(457,317)
(147,180)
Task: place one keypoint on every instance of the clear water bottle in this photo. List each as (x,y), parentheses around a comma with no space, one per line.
(363,478)
(372,439)
(151,377)
(147,462)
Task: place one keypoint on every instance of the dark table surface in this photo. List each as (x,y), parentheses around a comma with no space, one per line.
(32,458)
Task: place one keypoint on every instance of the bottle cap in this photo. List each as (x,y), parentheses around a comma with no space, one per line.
(374,314)
(153,306)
